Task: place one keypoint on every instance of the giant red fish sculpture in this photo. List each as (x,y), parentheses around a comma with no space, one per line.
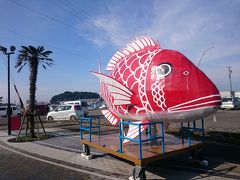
(148,83)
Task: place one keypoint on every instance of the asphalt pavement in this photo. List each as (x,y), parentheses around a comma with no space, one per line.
(60,158)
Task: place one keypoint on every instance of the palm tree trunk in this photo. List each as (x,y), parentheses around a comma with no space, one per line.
(32,91)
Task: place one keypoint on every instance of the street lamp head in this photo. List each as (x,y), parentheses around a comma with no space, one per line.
(12,48)
(204,54)
(3,49)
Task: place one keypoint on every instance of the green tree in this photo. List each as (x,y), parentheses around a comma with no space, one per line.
(32,57)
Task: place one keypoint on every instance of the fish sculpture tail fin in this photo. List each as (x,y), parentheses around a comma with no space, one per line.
(133,130)
(99,67)
(99,70)
(111,117)
(121,94)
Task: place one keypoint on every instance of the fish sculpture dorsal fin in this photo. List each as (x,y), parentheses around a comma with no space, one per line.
(133,130)
(140,43)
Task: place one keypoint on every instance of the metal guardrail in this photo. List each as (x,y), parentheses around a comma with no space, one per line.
(89,126)
(150,136)
(190,129)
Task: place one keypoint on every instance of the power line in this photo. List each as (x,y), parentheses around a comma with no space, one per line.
(71,10)
(93,20)
(42,14)
(11,76)
(41,42)
(47,16)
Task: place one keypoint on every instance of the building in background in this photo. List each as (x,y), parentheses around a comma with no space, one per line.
(230,94)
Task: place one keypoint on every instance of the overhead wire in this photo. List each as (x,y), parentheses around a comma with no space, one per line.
(41,13)
(71,10)
(76,11)
(4,61)
(46,16)
(38,41)
(13,83)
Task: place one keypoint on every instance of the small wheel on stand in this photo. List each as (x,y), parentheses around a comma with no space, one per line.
(139,173)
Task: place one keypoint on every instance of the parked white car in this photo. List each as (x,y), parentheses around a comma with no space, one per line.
(65,112)
(230,103)
(15,111)
(83,104)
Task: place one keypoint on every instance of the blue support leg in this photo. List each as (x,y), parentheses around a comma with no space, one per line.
(203,133)
(140,142)
(120,137)
(189,135)
(90,130)
(163,142)
(98,127)
(182,133)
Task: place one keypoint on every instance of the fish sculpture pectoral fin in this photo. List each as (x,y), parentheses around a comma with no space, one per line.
(111,117)
(121,94)
(133,130)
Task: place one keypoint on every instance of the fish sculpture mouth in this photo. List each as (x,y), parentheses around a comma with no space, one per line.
(199,103)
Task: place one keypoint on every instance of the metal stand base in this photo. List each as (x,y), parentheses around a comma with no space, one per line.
(89,157)
(198,157)
(86,152)
(138,173)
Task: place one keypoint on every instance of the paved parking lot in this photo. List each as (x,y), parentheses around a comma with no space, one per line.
(222,121)
(59,158)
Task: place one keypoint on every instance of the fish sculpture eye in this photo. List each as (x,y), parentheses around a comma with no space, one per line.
(163,70)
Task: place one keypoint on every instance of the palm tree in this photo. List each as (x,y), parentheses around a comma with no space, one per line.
(32,57)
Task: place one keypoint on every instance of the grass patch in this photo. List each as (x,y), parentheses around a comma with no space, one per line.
(30,139)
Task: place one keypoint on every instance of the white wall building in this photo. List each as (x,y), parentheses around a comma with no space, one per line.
(230,94)
(237,94)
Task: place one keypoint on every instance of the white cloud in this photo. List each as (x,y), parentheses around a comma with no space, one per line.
(177,25)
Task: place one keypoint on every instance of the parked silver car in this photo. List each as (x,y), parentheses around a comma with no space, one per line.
(15,111)
(230,103)
(65,112)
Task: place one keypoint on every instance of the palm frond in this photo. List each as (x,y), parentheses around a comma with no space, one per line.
(40,49)
(31,55)
(49,64)
(46,53)
(43,66)
(33,49)
(21,66)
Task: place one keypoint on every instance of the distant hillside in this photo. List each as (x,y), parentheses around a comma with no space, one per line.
(71,96)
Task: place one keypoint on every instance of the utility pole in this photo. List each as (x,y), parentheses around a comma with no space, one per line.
(230,78)
(9,112)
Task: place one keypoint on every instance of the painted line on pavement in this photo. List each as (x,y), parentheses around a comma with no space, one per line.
(61,165)
(65,148)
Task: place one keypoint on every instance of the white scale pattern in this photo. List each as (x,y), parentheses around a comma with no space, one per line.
(140,81)
(122,61)
(158,94)
(142,85)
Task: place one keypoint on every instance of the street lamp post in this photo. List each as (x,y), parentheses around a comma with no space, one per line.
(204,54)
(4,50)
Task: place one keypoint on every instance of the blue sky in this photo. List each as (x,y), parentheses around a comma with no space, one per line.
(81,32)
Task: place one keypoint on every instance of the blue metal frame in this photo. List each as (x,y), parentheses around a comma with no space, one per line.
(140,140)
(190,129)
(89,121)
